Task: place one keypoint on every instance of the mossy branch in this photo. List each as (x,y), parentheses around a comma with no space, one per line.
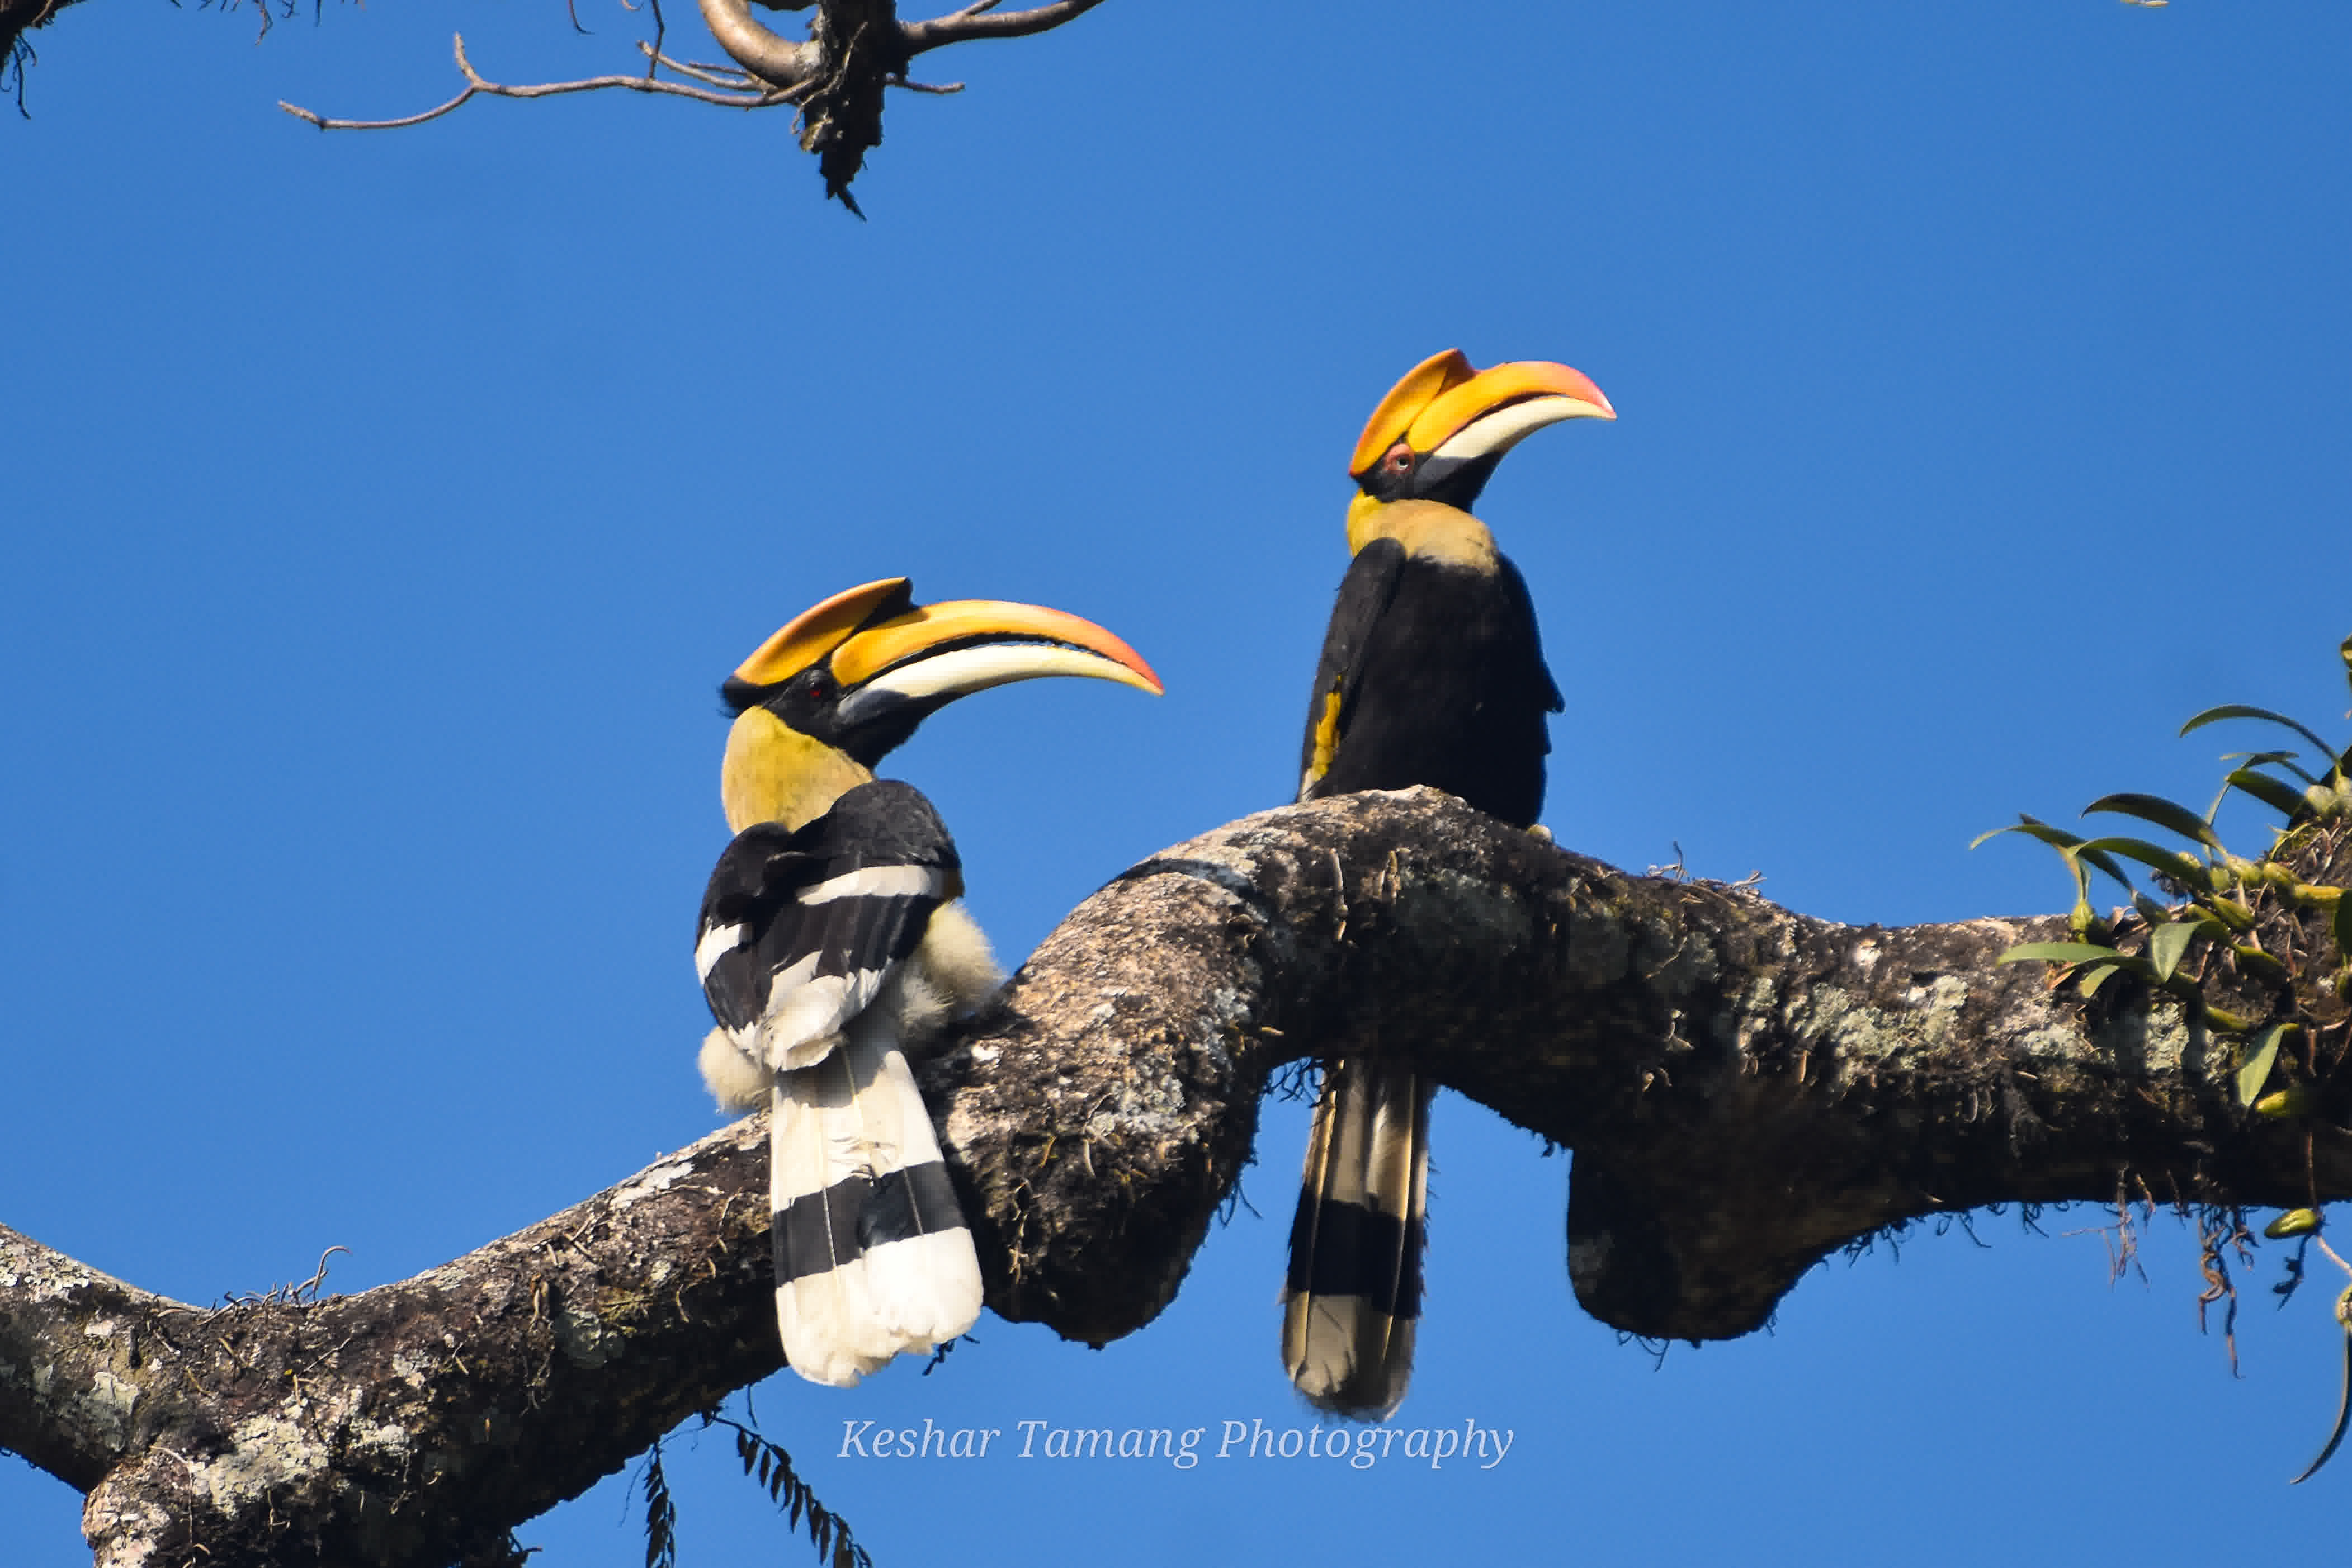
(1746,1089)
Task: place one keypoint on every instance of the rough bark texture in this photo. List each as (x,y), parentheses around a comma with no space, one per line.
(1745,1089)
(413,1424)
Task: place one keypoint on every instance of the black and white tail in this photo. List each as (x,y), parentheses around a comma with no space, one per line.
(873,1257)
(819,947)
(1353,1295)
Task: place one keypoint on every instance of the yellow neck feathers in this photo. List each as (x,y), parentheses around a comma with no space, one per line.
(1428,529)
(772,773)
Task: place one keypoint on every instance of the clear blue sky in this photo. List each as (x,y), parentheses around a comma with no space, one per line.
(381,512)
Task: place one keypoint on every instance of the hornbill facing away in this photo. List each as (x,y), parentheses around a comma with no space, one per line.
(1431,673)
(829,943)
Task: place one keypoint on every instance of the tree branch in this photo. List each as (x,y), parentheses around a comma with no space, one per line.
(746,95)
(414,1424)
(984,21)
(1746,1089)
(774,59)
(837,75)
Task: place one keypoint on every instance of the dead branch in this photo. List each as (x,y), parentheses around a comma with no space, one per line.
(835,76)
(984,21)
(754,96)
(770,57)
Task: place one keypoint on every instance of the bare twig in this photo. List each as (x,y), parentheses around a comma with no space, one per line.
(855,48)
(765,97)
(309,1289)
(717,76)
(984,21)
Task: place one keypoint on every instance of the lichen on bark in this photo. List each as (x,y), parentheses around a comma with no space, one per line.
(1745,1089)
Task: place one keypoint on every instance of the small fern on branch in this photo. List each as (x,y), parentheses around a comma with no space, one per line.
(772,1467)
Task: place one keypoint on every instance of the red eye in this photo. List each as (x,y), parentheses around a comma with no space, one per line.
(816,689)
(1399,458)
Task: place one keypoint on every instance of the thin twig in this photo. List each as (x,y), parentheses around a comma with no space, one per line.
(475,83)
(717,76)
(309,1289)
(984,21)
(323,124)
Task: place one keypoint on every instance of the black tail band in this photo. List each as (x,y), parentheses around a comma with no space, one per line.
(1347,1249)
(821,1231)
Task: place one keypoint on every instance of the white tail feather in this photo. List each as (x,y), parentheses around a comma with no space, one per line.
(858,1113)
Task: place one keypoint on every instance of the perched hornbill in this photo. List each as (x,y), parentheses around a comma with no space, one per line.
(829,943)
(1431,673)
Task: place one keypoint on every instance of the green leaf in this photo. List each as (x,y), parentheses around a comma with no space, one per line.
(2256,1068)
(2343,1410)
(2184,869)
(2100,859)
(2230,912)
(2090,977)
(2265,965)
(2277,794)
(2271,760)
(2169,943)
(2068,846)
(2240,710)
(2060,952)
(2171,815)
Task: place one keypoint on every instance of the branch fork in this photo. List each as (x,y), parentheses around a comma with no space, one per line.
(1746,1089)
(835,76)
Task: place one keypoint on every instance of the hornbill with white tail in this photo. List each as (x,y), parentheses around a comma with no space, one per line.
(830,945)
(1433,673)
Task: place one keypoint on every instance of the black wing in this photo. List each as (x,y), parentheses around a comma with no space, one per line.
(1523,615)
(801,929)
(1364,595)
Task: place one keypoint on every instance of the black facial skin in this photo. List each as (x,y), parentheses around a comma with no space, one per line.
(812,702)
(1404,474)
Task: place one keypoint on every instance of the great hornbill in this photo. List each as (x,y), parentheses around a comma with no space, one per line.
(830,943)
(1433,673)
